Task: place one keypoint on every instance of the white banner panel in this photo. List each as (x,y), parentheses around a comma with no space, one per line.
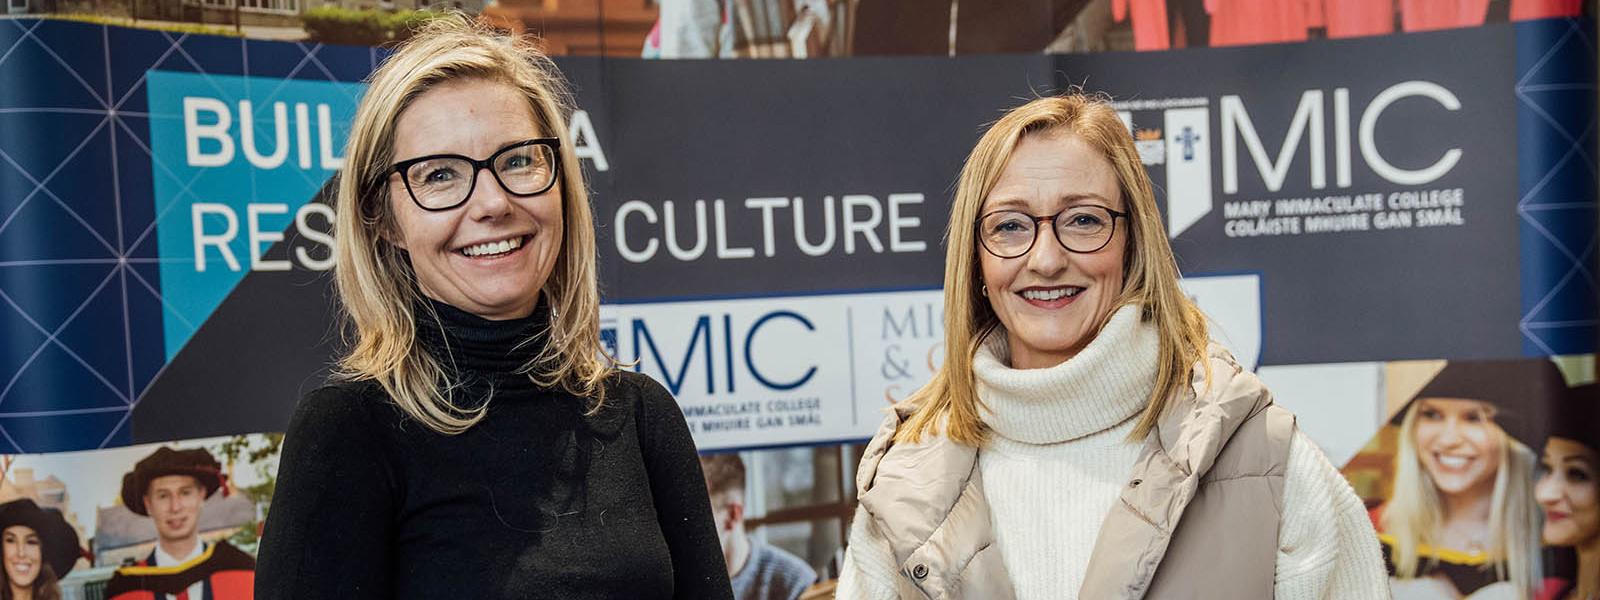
(783,370)
(1188,167)
(1233,304)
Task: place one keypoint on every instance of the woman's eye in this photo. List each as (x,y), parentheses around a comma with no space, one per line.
(433,174)
(440,176)
(519,161)
(1009,225)
(1578,475)
(1084,220)
(1430,414)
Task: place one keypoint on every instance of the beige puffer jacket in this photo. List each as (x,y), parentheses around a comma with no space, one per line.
(1216,460)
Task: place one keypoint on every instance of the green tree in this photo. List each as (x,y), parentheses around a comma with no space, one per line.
(259,452)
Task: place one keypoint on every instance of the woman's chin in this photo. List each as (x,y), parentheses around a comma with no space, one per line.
(1457,485)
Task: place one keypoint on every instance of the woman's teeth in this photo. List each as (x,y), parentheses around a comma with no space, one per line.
(492,248)
(1052,294)
(1454,462)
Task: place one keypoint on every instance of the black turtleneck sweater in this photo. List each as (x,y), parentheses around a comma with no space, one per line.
(538,500)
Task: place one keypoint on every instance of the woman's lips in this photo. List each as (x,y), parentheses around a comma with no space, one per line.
(495,249)
(1453,463)
(1051,297)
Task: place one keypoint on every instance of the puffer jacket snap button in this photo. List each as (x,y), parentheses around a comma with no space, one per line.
(919,571)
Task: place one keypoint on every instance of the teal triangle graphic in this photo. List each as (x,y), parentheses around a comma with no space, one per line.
(234,159)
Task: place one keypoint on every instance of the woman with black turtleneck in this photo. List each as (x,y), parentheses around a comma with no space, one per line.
(477,442)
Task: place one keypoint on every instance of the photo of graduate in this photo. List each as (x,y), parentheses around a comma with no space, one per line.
(1568,492)
(171,486)
(39,548)
(1459,518)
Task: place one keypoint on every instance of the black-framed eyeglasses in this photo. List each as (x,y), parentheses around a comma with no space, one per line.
(1082,229)
(444,181)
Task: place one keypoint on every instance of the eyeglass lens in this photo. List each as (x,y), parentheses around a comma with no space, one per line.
(1009,234)
(445,182)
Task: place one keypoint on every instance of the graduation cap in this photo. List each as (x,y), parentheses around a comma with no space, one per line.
(1522,392)
(1576,416)
(196,463)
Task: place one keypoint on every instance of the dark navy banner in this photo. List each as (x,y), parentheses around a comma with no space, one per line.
(771,231)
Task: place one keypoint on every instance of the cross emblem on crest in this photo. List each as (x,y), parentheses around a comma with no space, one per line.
(1188,138)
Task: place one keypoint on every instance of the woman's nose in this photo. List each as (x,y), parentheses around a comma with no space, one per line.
(1548,490)
(1047,255)
(1453,429)
(1450,433)
(488,199)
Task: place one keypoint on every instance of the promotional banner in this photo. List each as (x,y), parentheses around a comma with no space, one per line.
(178,179)
(1355,216)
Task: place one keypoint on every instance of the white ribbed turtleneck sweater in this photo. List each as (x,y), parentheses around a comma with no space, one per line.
(1057,457)
(1057,454)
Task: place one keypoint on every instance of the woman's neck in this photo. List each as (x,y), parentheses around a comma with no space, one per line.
(1103,385)
(21,593)
(1469,506)
(490,354)
(1466,520)
(1588,586)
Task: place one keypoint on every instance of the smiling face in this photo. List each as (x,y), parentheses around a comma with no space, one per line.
(1569,493)
(23,555)
(1458,444)
(173,502)
(492,255)
(1051,300)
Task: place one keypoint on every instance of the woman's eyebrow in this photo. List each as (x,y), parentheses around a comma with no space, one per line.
(1069,199)
(1008,202)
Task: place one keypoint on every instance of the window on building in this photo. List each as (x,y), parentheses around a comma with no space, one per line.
(283,5)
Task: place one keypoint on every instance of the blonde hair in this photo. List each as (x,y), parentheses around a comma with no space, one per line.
(1150,273)
(376,284)
(1414,511)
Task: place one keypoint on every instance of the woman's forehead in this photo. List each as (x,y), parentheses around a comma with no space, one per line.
(1571,450)
(1456,404)
(20,530)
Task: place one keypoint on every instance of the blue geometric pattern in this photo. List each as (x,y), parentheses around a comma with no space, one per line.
(1556,130)
(81,304)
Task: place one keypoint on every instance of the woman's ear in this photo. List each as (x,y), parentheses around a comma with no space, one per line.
(389,233)
(381,216)
(393,238)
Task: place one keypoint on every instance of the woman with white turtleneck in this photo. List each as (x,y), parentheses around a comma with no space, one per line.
(1084,439)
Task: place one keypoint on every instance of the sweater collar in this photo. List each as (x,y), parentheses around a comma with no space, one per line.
(483,354)
(1104,385)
